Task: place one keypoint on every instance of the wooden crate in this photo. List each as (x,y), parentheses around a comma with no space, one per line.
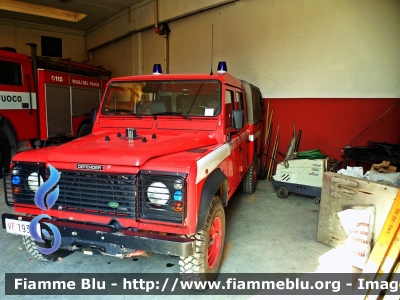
(340,192)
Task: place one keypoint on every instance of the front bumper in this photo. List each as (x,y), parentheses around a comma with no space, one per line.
(112,241)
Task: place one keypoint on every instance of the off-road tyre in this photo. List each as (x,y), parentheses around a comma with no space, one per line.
(204,265)
(30,246)
(250,178)
(5,154)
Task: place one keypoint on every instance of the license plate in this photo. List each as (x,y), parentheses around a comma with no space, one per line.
(19,227)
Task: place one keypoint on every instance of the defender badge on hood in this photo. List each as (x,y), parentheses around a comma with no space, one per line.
(89,167)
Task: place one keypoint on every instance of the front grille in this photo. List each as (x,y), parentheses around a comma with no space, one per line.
(147,196)
(97,193)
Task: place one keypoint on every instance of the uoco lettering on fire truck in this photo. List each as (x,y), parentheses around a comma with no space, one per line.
(10,98)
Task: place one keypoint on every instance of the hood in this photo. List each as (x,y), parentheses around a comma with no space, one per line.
(95,149)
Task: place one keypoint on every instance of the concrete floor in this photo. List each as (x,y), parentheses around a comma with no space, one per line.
(264,234)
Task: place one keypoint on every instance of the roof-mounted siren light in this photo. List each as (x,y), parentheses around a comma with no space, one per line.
(157,69)
(222,68)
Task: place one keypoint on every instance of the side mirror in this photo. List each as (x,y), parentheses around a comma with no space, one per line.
(238,119)
(93,113)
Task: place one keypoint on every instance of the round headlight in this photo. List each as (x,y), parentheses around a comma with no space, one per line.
(158,193)
(178,184)
(34,181)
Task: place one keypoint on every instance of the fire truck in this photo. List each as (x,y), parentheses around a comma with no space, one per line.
(43,99)
(166,154)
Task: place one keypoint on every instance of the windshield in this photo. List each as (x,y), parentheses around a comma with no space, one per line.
(187,98)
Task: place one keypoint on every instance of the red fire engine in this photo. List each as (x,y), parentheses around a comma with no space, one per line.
(43,99)
(166,154)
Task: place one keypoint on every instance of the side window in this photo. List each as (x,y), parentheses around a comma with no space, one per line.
(239,101)
(10,73)
(229,101)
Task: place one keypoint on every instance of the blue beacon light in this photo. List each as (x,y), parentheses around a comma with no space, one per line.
(157,69)
(222,68)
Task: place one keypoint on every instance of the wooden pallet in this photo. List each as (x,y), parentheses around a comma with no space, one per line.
(340,192)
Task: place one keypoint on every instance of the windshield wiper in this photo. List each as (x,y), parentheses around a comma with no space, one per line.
(128,111)
(195,97)
(169,113)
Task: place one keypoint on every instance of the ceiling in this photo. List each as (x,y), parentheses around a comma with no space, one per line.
(97,11)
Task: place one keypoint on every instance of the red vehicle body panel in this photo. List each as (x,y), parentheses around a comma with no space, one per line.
(30,121)
(197,149)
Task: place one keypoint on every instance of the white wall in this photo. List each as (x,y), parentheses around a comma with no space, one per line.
(289,48)
(17,35)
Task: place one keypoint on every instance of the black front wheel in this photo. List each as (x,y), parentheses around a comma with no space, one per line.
(205,263)
(30,246)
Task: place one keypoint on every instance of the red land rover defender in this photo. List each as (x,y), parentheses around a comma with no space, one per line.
(166,154)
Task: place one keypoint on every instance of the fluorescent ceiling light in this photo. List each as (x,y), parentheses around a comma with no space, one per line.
(40,10)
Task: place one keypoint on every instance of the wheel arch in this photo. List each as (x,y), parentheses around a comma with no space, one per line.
(215,184)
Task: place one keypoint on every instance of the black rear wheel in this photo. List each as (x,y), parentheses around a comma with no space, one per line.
(5,153)
(250,178)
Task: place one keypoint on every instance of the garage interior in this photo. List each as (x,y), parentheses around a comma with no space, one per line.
(330,67)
